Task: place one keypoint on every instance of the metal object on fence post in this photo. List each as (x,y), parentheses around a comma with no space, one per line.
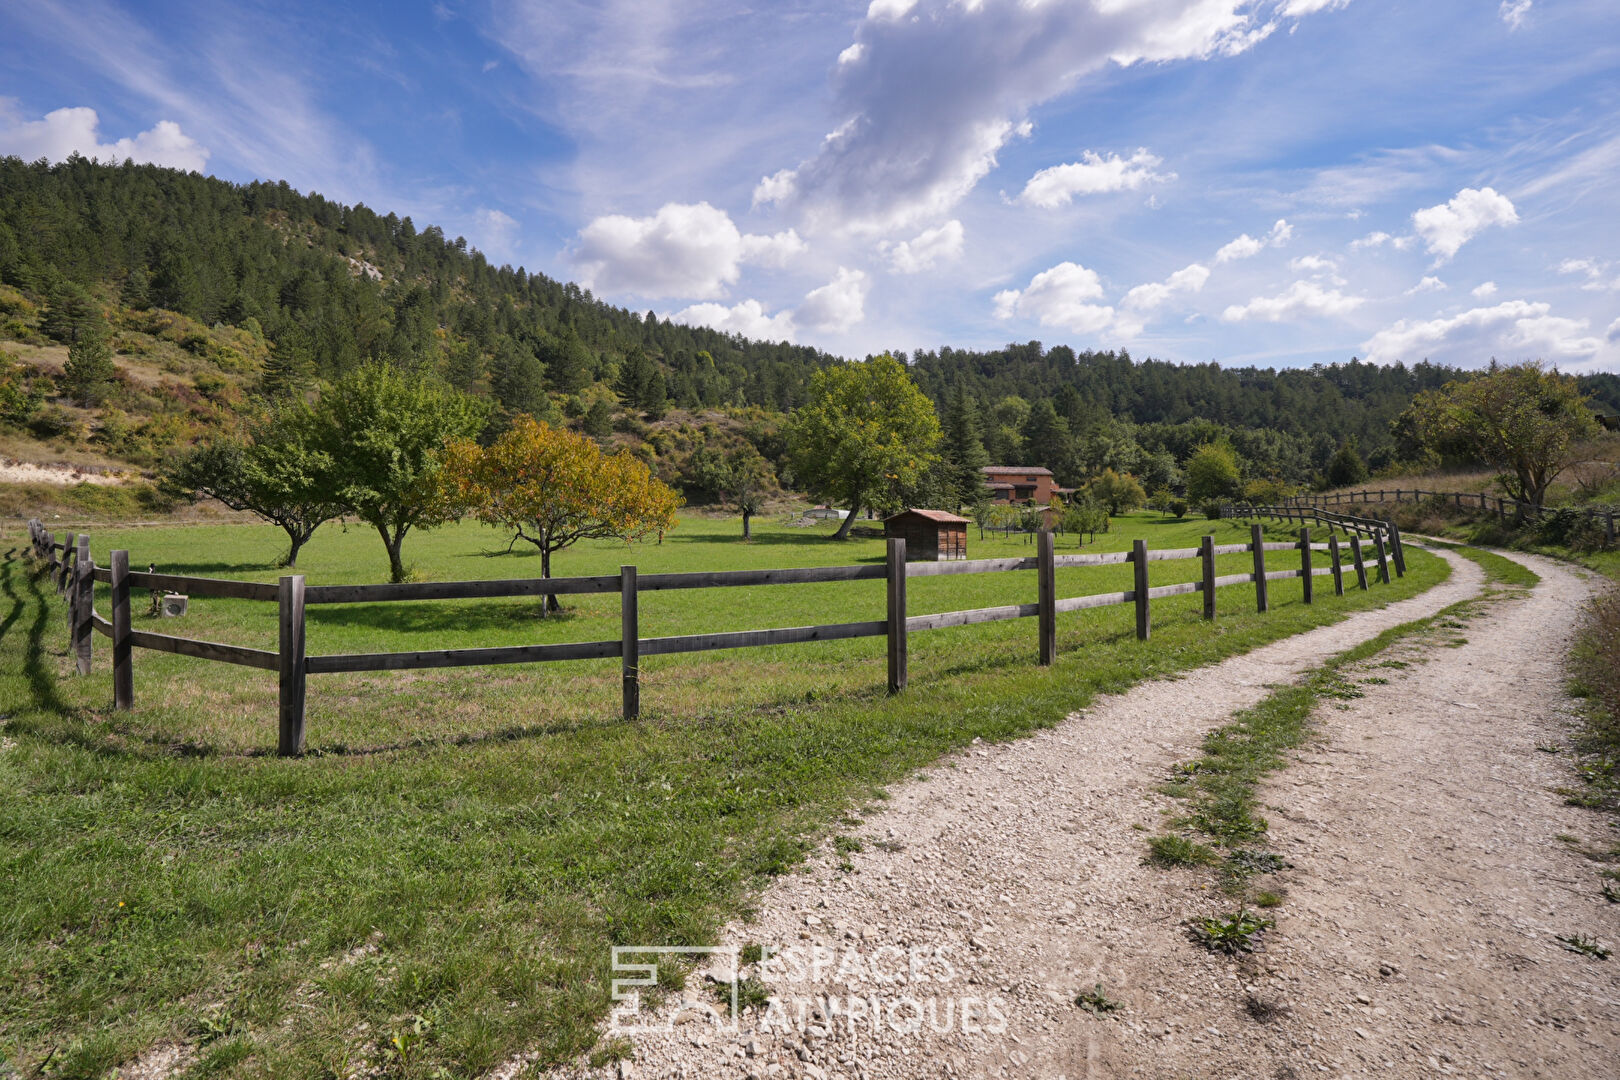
(84,596)
(1338,565)
(290,600)
(1206,555)
(896,630)
(122,651)
(1257,541)
(1305,563)
(1144,622)
(1361,566)
(1046,594)
(1383,559)
(630,634)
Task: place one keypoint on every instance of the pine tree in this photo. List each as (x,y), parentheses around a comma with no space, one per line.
(634,383)
(518,379)
(1046,434)
(568,362)
(963,449)
(88,373)
(291,367)
(599,419)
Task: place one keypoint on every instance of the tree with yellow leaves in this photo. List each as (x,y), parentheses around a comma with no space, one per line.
(553,488)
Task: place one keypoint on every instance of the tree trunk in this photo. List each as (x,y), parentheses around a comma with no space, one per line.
(545,573)
(296,538)
(393,542)
(843,529)
(747,531)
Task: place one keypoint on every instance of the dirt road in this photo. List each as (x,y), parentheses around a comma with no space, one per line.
(1418,936)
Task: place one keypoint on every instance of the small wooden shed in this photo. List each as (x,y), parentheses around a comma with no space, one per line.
(930,535)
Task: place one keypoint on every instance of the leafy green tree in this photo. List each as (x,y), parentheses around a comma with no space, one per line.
(87,375)
(1084,515)
(1213,473)
(598,421)
(385,432)
(738,476)
(1117,491)
(279,474)
(865,432)
(1346,467)
(1522,419)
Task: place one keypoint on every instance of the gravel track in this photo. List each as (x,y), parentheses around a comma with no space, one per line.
(1417,939)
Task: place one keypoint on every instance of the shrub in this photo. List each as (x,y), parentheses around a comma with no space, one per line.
(1211,509)
(1178,507)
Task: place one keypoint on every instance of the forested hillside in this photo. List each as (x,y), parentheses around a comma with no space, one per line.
(213,295)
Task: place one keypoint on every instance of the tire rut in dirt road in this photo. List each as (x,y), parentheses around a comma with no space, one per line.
(1022,864)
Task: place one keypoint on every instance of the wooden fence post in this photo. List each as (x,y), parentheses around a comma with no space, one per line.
(62,567)
(1144,620)
(1046,594)
(897,614)
(1396,551)
(290,600)
(1383,559)
(84,584)
(1206,555)
(122,651)
(1338,565)
(630,635)
(1305,563)
(1608,527)
(1258,543)
(1361,566)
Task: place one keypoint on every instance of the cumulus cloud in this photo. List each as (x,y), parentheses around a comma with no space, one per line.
(775,187)
(1313,264)
(1430,283)
(1596,272)
(1613,333)
(925,250)
(1093,174)
(1379,239)
(1310,7)
(1514,12)
(1447,227)
(1246,246)
(1060,296)
(1485,289)
(1512,330)
(748,318)
(937,88)
(1302,298)
(837,305)
(685,249)
(1143,300)
(77,130)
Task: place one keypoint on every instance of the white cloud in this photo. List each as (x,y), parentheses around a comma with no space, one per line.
(747,318)
(1512,330)
(1447,227)
(837,305)
(1430,283)
(1596,272)
(925,250)
(1485,289)
(1371,240)
(1143,300)
(1246,246)
(938,87)
(76,131)
(1093,174)
(497,232)
(1613,333)
(1302,298)
(1514,12)
(1310,7)
(685,249)
(1059,296)
(775,187)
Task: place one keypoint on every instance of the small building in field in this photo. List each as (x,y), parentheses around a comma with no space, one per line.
(1010,484)
(930,535)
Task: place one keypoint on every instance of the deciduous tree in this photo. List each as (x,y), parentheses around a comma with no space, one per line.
(554,487)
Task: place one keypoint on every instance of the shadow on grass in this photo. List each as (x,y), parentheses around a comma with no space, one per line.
(410,618)
(41,680)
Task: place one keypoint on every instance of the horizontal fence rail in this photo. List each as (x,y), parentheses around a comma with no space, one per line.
(1463,500)
(75,574)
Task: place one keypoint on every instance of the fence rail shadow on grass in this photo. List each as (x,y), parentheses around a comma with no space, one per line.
(1463,500)
(75,574)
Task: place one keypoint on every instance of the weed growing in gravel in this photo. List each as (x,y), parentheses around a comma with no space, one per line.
(618,1049)
(1170,851)
(1265,1010)
(751,993)
(1232,935)
(1098,1002)
(1580,943)
(752,953)
(1264,899)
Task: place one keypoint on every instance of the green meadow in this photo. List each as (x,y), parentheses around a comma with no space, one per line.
(437,884)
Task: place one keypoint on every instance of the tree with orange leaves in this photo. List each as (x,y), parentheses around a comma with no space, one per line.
(553,488)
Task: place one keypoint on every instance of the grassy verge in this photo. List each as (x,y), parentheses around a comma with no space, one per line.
(1219,787)
(444,891)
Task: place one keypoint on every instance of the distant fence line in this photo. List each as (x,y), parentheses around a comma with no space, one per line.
(1463,500)
(75,573)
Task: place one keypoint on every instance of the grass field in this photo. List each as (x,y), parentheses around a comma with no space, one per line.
(438,885)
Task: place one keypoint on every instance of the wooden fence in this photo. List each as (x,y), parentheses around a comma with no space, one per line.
(1385,534)
(1463,500)
(75,574)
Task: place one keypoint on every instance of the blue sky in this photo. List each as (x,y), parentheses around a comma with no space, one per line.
(1279,182)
